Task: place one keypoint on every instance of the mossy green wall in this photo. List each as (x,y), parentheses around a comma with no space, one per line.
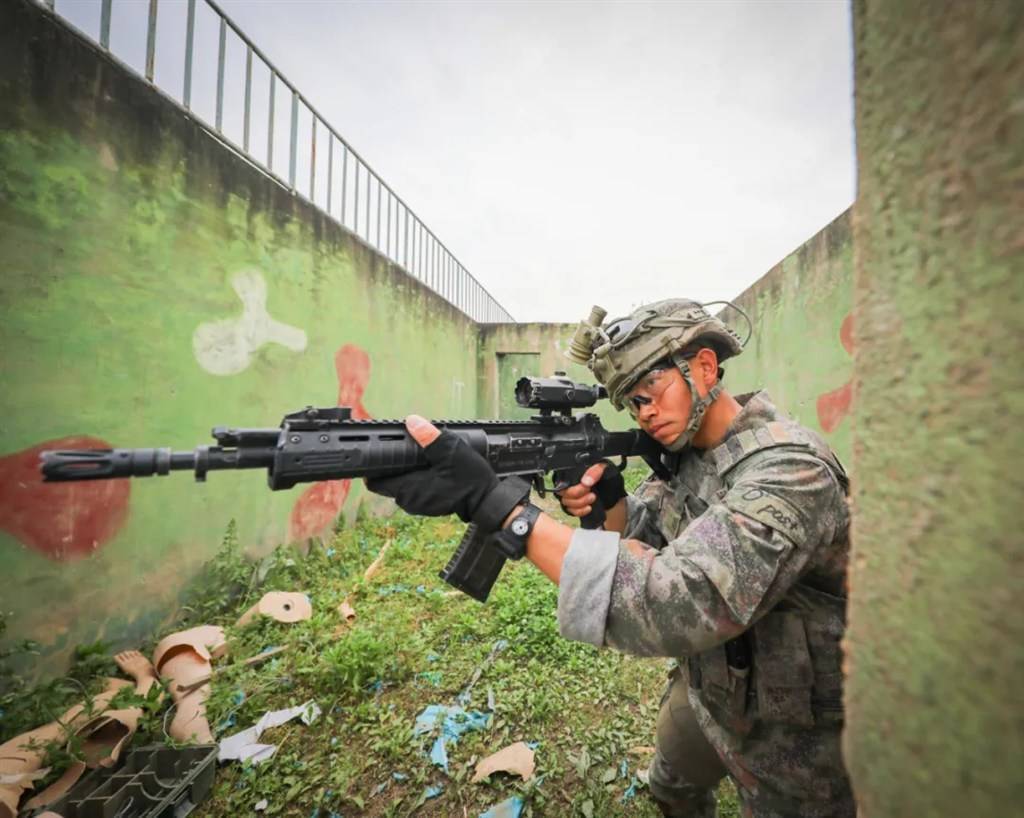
(801,346)
(800,350)
(125,228)
(935,648)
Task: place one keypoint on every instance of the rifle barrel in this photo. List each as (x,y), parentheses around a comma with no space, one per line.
(104,464)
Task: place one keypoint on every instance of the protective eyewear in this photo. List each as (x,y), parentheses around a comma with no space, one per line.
(648,389)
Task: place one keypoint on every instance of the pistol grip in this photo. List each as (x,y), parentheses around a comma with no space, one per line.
(563,478)
(596,517)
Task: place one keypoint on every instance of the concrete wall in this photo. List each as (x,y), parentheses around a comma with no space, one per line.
(936,639)
(802,342)
(155,284)
(800,350)
(548,342)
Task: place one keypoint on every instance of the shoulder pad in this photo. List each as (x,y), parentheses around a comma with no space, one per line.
(739,447)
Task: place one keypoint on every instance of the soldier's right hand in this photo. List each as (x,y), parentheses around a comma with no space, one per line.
(602,480)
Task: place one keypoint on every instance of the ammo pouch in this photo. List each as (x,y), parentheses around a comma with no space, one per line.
(798,678)
(787,669)
(721,676)
(784,677)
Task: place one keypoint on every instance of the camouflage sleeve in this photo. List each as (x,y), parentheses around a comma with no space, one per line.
(589,566)
(584,589)
(730,565)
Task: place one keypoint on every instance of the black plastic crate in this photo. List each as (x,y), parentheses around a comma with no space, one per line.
(152,782)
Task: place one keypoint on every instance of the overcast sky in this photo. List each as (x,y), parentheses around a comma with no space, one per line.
(572,153)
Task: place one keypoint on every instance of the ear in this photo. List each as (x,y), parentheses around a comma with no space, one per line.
(704,366)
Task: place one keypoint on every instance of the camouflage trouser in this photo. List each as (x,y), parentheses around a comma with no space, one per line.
(779,771)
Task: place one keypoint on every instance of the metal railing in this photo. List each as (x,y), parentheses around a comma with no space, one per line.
(350,191)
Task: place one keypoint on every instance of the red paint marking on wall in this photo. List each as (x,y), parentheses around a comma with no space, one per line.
(318,508)
(63,521)
(320,504)
(846,333)
(835,405)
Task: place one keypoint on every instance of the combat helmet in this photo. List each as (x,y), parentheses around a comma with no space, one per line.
(621,351)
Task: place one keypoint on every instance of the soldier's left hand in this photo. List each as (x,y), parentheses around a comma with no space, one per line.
(457,481)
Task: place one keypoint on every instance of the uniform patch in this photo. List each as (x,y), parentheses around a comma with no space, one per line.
(770,510)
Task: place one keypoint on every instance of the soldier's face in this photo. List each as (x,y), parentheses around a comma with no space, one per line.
(661,401)
(661,404)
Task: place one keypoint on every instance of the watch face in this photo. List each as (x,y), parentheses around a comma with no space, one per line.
(520,527)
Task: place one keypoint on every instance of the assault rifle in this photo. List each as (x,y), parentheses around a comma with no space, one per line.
(327,444)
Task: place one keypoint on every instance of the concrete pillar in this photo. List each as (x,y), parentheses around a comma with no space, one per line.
(935,647)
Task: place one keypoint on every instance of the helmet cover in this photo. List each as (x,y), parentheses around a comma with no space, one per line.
(627,348)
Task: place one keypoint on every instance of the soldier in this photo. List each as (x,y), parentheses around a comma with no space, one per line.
(736,566)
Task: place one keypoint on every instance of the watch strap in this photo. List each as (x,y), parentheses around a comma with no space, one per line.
(499,502)
(511,540)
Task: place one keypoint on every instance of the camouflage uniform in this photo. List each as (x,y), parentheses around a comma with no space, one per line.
(743,581)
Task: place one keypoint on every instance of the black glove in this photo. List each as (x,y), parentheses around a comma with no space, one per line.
(458,481)
(609,489)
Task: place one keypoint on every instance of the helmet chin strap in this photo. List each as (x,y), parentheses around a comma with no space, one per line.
(698,405)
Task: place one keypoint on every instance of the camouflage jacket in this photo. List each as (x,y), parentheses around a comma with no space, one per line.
(757,525)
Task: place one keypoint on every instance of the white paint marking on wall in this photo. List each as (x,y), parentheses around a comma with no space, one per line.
(226,347)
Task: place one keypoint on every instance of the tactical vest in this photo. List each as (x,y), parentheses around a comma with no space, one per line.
(787,668)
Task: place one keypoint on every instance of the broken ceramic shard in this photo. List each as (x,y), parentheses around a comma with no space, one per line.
(24,754)
(516,759)
(26,780)
(283,606)
(59,788)
(347,611)
(104,736)
(378,563)
(183,659)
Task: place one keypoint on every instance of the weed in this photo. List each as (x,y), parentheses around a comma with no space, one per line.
(91,661)
(24,709)
(586,709)
(356,661)
(223,582)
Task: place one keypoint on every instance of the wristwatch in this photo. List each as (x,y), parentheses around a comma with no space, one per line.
(511,540)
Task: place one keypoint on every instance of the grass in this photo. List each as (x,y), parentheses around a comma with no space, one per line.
(413,643)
